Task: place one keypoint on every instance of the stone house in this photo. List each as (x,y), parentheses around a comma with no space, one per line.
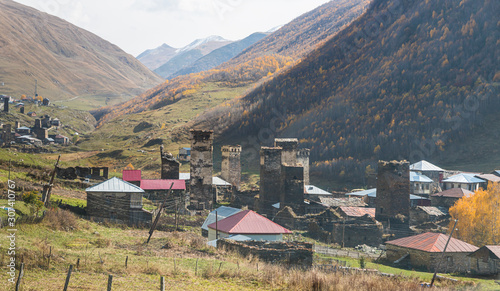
(61,139)
(118,201)
(248,223)
(449,197)
(430,170)
(184,154)
(424,214)
(156,190)
(353,231)
(425,251)
(486,261)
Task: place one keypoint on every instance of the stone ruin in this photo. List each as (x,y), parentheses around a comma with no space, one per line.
(169,165)
(72,173)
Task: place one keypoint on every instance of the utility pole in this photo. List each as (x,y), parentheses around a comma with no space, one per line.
(343,233)
(48,188)
(443,253)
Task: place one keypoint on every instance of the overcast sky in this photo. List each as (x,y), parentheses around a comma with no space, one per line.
(137,25)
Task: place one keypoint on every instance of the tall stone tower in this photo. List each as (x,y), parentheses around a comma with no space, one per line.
(271,184)
(393,192)
(231,165)
(289,152)
(293,187)
(303,159)
(201,168)
(169,165)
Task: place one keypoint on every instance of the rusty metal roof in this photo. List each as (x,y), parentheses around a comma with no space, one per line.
(454,193)
(433,243)
(358,211)
(248,222)
(489,177)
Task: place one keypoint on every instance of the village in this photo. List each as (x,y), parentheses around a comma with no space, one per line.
(404,219)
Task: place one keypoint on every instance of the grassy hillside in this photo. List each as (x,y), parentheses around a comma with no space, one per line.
(67,61)
(407,80)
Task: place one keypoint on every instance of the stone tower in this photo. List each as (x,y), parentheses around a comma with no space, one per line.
(393,192)
(6,104)
(303,159)
(270,178)
(231,165)
(201,168)
(289,152)
(169,165)
(293,187)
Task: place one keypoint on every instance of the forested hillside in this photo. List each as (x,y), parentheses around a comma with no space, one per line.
(262,60)
(405,80)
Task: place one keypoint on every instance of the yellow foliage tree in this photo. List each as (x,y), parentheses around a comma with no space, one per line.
(479,217)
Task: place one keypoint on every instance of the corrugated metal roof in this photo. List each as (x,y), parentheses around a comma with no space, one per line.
(115,185)
(433,243)
(416,177)
(489,177)
(163,184)
(249,222)
(495,250)
(454,193)
(313,190)
(425,166)
(463,178)
(432,210)
(358,211)
(222,212)
(131,175)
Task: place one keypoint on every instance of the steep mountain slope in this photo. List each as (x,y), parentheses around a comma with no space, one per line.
(154,58)
(405,80)
(252,65)
(189,54)
(66,60)
(220,55)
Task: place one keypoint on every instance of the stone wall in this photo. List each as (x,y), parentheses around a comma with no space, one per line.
(393,192)
(201,169)
(452,262)
(290,253)
(357,231)
(289,149)
(231,165)
(117,207)
(72,173)
(445,202)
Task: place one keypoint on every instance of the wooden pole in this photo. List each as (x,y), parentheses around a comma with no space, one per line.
(443,253)
(126,262)
(162,283)
(216,227)
(196,268)
(110,282)
(159,213)
(68,277)
(20,277)
(46,195)
(50,255)
(78,263)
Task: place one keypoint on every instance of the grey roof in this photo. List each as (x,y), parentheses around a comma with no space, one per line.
(464,178)
(24,127)
(311,189)
(373,193)
(215,180)
(433,210)
(425,166)
(370,193)
(219,182)
(416,177)
(115,185)
(336,202)
(222,212)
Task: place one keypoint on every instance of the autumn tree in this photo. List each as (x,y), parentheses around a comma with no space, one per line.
(479,216)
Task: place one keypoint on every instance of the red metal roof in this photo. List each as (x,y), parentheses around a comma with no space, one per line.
(433,243)
(454,193)
(358,211)
(248,222)
(131,175)
(162,184)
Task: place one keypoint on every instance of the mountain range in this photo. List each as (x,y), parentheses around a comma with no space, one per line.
(66,61)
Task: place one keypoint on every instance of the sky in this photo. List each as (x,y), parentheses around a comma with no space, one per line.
(138,25)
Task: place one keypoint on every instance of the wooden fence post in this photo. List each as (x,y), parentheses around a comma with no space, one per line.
(78,263)
(162,283)
(126,262)
(196,268)
(20,277)
(68,277)
(110,282)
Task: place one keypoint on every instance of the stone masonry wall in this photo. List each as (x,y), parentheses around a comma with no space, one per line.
(393,191)
(231,165)
(201,168)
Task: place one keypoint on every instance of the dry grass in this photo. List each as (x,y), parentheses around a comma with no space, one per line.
(58,219)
